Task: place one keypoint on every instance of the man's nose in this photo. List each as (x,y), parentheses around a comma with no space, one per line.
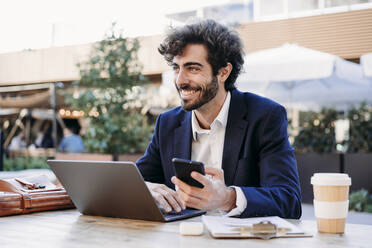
(180,78)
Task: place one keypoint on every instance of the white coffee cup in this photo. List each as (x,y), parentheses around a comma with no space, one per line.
(331,204)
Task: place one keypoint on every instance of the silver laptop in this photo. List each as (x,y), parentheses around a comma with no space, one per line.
(112,189)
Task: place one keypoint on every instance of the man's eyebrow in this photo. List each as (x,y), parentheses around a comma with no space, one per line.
(193,63)
(173,64)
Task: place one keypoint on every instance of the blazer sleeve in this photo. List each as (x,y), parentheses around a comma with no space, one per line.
(150,163)
(279,192)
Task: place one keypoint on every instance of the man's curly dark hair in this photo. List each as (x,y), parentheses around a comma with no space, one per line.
(223,44)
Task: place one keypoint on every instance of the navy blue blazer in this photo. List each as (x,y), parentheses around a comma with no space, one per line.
(256,156)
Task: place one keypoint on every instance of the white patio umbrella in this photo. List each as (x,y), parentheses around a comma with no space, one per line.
(366,62)
(305,79)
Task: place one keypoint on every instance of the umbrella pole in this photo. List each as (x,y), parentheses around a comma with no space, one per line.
(295,121)
(28,127)
(1,150)
(53,103)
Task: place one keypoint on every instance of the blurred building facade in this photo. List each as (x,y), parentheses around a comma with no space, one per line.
(347,34)
(340,27)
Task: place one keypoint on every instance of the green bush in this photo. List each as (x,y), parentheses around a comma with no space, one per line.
(130,133)
(360,201)
(317,132)
(23,163)
(369,208)
(360,129)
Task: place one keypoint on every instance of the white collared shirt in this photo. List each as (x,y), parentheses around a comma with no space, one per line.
(207,147)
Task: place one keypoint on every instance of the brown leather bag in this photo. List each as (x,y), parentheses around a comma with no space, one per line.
(31,194)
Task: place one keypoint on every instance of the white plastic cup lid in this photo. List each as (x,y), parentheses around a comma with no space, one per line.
(332,179)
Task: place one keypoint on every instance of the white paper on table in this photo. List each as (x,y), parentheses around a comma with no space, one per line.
(227,225)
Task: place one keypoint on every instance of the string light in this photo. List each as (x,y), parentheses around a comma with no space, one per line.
(65,113)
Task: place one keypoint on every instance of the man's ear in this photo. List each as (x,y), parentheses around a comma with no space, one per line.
(224,72)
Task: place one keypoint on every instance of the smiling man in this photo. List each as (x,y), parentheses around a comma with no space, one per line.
(240,137)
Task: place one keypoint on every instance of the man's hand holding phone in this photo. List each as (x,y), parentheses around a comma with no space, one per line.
(184,167)
(194,189)
(213,195)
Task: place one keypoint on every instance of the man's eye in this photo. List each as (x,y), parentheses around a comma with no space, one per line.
(175,69)
(194,69)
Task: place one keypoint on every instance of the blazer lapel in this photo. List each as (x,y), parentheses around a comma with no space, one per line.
(234,136)
(182,138)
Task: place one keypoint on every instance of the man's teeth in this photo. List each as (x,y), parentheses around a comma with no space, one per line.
(188,92)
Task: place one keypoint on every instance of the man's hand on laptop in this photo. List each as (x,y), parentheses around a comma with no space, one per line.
(166,197)
(214,195)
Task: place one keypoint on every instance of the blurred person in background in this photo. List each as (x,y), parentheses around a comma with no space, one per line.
(18,141)
(71,142)
(44,137)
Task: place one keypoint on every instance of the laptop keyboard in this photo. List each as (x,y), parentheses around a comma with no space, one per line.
(187,213)
(174,213)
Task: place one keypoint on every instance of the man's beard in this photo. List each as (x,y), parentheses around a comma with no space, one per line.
(206,93)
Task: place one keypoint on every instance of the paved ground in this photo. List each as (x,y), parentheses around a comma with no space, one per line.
(352,217)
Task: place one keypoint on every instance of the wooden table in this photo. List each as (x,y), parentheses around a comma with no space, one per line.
(69,228)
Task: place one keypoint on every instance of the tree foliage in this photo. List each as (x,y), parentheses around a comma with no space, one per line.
(318,130)
(360,201)
(360,129)
(108,77)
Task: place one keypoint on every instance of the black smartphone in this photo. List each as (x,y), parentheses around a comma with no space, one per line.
(184,167)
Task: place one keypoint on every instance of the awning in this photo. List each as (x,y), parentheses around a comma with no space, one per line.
(38,100)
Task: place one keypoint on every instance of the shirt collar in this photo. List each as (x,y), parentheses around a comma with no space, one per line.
(221,118)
